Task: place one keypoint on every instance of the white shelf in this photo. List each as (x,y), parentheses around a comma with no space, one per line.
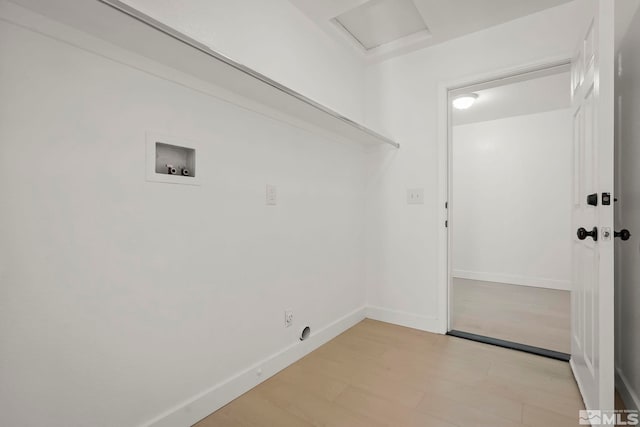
(128,28)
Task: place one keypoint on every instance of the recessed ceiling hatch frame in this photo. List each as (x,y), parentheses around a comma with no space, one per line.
(378,24)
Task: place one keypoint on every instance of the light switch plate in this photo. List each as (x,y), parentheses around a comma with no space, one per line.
(415,196)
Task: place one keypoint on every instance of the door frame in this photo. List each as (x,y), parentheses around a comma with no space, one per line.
(445,168)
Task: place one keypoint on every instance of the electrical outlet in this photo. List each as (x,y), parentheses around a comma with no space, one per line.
(272,195)
(415,196)
(288,318)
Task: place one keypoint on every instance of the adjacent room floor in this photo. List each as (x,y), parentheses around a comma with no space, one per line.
(378,374)
(527,315)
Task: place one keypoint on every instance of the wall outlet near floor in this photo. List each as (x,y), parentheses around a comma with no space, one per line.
(288,318)
(272,195)
(415,196)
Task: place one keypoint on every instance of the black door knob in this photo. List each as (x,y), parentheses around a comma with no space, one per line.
(583,233)
(622,234)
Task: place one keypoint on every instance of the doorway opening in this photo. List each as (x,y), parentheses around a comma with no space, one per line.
(509,209)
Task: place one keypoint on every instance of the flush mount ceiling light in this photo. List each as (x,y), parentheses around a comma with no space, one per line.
(379,22)
(463,102)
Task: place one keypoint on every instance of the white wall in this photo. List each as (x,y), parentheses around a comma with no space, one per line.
(628,216)
(274,38)
(511,205)
(122,298)
(402,262)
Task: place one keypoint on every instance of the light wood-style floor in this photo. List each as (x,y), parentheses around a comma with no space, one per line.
(523,314)
(377,374)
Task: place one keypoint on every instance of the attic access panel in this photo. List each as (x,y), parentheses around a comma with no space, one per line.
(378,22)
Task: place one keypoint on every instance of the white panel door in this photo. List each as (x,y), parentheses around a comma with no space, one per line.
(592,343)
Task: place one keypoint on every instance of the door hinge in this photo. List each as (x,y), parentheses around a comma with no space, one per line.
(446,224)
(446,205)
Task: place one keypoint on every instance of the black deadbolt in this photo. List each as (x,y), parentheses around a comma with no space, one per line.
(583,233)
(622,234)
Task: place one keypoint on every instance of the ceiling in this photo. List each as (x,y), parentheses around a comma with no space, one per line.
(548,93)
(444,19)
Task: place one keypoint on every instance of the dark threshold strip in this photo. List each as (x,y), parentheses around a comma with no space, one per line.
(511,345)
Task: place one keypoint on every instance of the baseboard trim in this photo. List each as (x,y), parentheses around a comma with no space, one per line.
(627,393)
(410,320)
(538,282)
(196,408)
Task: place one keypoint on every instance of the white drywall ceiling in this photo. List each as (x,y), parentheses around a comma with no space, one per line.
(445,19)
(526,97)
